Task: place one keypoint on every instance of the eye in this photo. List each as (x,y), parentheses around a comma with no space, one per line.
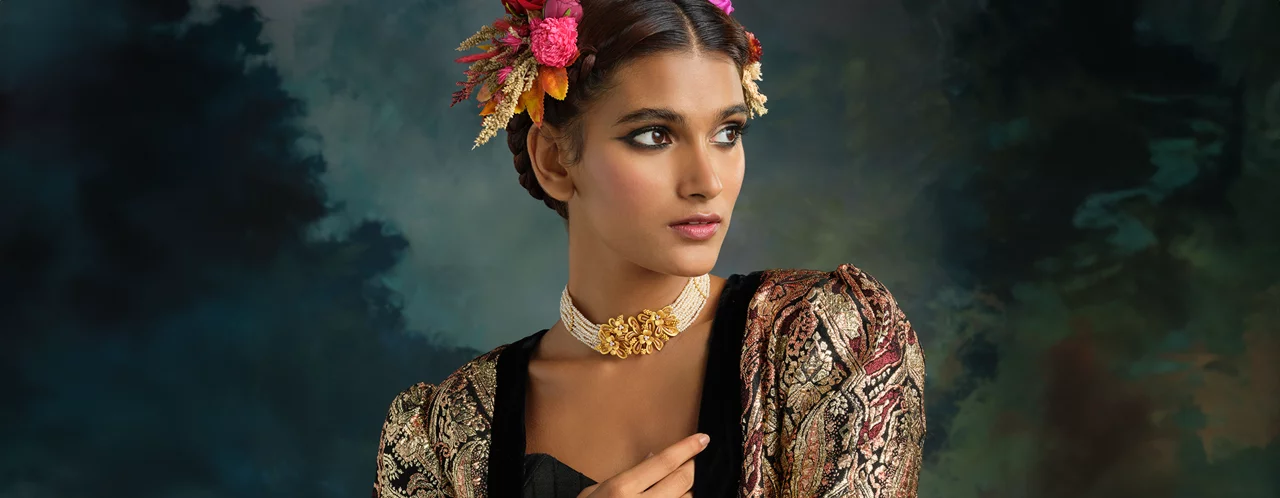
(730,135)
(651,137)
(727,136)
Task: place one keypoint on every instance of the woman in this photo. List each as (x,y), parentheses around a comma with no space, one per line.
(626,117)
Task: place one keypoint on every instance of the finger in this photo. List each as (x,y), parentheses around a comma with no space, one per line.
(587,492)
(674,484)
(658,466)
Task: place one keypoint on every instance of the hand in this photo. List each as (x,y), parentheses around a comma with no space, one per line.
(668,474)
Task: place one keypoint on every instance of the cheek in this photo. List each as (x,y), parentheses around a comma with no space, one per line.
(732,178)
(629,188)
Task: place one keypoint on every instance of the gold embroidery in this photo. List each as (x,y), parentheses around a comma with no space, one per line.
(435,441)
(833,375)
(835,396)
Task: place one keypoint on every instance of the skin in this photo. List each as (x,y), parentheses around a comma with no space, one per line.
(599,414)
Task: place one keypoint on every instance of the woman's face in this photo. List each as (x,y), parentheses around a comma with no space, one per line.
(660,146)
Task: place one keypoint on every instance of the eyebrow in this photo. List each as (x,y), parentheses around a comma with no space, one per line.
(663,114)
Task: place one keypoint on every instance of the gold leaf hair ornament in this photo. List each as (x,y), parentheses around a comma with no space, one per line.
(524,57)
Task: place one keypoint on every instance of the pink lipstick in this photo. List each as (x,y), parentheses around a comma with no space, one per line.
(698,227)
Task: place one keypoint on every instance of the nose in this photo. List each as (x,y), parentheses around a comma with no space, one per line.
(700,177)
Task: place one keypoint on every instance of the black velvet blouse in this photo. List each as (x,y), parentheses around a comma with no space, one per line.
(718,467)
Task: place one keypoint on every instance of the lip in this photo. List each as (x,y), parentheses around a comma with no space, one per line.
(699,218)
(697,232)
(698,227)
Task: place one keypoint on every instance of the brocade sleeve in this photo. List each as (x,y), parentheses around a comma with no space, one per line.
(892,426)
(408,465)
(834,379)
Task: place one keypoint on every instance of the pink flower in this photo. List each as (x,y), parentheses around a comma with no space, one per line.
(502,74)
(554,40)
(511,41)
(558,8)
(725,5)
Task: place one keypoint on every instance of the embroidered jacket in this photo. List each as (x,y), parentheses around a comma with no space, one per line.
(832,382)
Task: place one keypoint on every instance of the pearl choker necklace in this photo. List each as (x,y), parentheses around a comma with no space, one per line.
(642,334)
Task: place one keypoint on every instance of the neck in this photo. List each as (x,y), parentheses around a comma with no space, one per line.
(603,287)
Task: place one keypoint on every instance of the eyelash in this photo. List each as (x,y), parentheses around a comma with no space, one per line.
(740,129)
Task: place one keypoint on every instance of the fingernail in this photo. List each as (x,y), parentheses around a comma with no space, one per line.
(704,439)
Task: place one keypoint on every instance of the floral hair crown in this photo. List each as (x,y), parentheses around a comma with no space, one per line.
(525,56)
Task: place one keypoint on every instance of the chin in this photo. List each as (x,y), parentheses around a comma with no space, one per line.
(690,262)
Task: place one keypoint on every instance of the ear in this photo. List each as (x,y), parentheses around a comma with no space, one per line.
(544,153)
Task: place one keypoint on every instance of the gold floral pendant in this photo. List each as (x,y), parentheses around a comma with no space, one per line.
(642,334)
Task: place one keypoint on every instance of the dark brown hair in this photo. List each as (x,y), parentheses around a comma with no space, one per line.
(610,34)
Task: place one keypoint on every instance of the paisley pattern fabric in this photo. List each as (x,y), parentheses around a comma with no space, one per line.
(435,440)
(833,389)
(832,398)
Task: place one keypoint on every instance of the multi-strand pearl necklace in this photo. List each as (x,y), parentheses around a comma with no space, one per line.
(642,334)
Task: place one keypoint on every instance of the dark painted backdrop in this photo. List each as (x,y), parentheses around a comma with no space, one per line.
(231,232)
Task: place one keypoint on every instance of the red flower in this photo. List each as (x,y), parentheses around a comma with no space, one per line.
(756,49)
(504,25)
(520,7)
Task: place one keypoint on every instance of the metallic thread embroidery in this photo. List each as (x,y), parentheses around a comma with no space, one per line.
(833,378)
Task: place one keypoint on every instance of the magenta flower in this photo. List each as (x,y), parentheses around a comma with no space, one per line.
(554,40)
(562,8)
(725,5)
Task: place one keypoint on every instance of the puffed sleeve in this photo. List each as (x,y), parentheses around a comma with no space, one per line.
(890,386)
(845,417)
(408,465)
